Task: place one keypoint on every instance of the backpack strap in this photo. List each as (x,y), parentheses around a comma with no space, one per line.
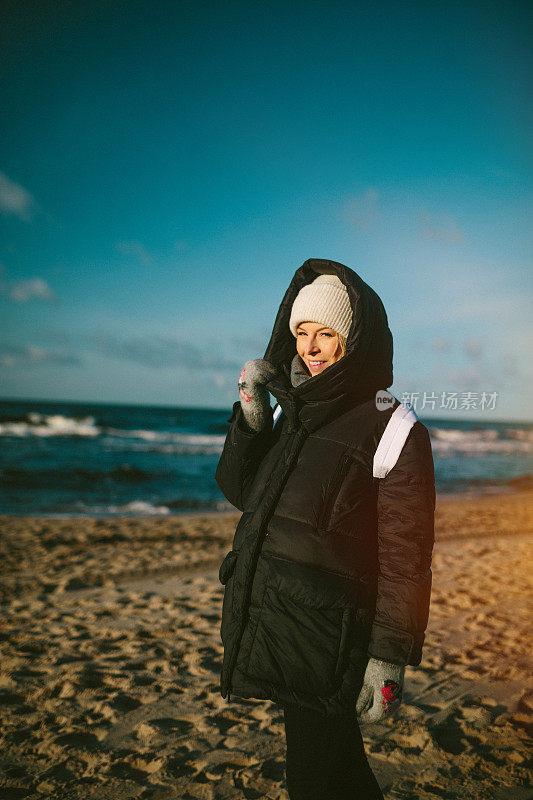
(393,439)
(277,412)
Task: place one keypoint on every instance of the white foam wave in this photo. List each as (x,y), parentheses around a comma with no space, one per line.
(196,439)
(140,507)
(47,425)
(165,442)
(453,441)
(133,507)
(50,425)
(519,433)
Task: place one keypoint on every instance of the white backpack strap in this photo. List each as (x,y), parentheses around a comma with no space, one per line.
(393,439)
(277,412)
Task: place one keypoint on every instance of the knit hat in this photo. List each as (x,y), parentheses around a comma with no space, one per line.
(325,300)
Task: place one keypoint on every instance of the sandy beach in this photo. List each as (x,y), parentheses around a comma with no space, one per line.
(110,656)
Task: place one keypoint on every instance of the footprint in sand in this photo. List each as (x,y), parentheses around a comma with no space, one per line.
(172,725)
(124,702)
(450,737)
(78,740)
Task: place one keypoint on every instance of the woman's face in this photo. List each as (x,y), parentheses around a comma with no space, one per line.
(317,346)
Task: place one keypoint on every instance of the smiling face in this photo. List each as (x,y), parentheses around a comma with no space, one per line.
(317,346)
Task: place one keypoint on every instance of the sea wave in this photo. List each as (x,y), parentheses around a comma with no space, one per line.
(454,441)
(35,424)
(60,425)
(445,441)
(169,442)
(134,507)
(142,507)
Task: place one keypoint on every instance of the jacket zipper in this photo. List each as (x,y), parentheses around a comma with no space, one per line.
(333,489)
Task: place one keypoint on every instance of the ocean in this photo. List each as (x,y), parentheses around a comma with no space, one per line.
(61,458)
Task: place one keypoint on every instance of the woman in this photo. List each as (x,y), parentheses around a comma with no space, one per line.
(327,586)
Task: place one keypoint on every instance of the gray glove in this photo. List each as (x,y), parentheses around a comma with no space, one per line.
(253,394)
(376,700)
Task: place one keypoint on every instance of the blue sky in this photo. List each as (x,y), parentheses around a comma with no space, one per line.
(167,166)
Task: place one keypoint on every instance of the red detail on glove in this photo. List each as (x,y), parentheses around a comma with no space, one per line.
(387,693)
(245,396)
(391,692)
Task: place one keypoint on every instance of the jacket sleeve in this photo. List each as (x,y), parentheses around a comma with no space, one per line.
(242,453)
(406,518)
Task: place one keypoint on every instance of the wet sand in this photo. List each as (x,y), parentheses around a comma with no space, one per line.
(110,656)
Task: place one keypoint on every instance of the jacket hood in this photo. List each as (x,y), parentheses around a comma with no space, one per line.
(366,366)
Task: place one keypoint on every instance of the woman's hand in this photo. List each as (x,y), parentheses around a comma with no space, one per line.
(253,394)
(382,690)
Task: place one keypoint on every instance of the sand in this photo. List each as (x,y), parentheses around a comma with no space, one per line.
(110,657)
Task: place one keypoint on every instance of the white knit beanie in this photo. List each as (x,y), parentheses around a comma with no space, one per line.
(325,300)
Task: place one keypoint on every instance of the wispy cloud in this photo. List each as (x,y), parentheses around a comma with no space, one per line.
(440,344)
(473,348)
(477,366)
(443,228)
(373,206)
(15,199)
(467,292)
(159,352)
(363,210)
(510,367)
(507,306)
(14,355)
(137,250)
(26,290)
(250,344)
(469,378)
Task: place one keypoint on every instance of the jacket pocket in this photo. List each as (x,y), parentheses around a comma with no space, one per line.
(303,629)
(228,565)
(333,490)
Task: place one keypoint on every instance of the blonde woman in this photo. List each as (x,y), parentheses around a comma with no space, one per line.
(327,585)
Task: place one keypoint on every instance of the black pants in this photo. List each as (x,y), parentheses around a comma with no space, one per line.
(326,759)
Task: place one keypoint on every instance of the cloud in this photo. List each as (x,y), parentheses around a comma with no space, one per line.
(26,290)
(473,348)
(510,366)
(441,345)
(467,378)
(156,351)
(473,377)
(459,292)
(490,305)
(56,336)
(15,199)
(136,249)
(485,369)
(15,354)
(362,211)
(445,229)
(250,344)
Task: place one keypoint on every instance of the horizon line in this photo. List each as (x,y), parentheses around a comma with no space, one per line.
(226,408)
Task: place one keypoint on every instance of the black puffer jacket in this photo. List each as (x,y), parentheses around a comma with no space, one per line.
(329,564)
